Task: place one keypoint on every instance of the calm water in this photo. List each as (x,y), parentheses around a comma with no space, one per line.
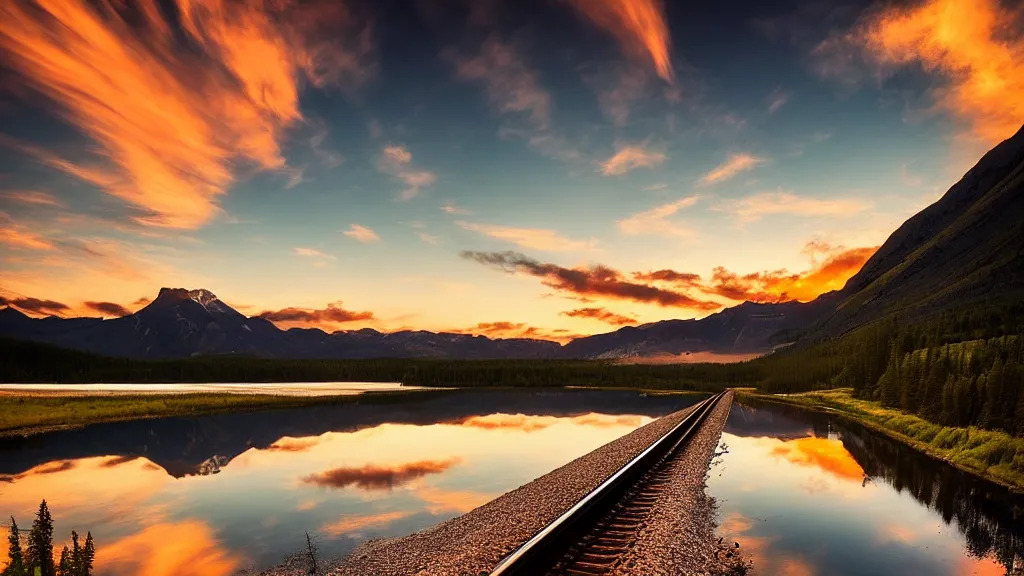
(215,494)
(273,389)
(807,495)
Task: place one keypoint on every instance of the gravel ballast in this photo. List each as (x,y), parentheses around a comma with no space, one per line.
(475,542)
(678,537)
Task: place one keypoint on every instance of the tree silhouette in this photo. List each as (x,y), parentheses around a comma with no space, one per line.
(66,565)
(15,559)
(40,543)
(88,556)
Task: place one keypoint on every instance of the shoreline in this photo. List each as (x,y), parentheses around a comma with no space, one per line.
(840,403)
(32,414)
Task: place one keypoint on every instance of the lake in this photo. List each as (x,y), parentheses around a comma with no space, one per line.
(811,495)
(272,389)
(212,495)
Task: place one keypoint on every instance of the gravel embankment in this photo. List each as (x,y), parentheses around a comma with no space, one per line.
(678,537)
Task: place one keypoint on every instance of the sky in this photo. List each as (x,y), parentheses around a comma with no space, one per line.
(541,168)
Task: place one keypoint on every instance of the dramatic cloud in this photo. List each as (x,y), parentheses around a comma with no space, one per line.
(197,551)
(822,453)
(361,233)
(654,221)
(591,281)
(736,164)
(533,238)
(397,161)
(753,208)
(976,47)
(333,314)
(630,157)
(503,329)
(108,308)
(826,275)
(670,276)
(31,197)
(35,305)
(601,315)
(639,26)
(512,87)
(18,238)
(371,477)
(186,102)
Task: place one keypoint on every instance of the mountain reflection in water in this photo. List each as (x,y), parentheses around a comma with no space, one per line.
(215,494)
(808,494)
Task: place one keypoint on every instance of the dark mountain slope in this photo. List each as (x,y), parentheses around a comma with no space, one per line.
(748,327)
(964,250)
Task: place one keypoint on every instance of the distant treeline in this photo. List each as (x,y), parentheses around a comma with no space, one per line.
(30,362)
(961,368)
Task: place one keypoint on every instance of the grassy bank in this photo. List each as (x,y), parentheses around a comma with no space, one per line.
(30,414)
(993,455)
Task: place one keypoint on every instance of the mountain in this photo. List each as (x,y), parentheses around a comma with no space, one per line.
(965,250)
(748,327)
(182,323)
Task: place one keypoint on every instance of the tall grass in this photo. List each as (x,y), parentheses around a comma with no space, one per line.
(995,455)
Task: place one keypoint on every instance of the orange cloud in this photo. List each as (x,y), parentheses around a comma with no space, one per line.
(736,164)
(780,285)
(595,281)
(629,158)
(371,477)
(505,329)
(655,221)
(976,46)
(440,501)
(601,315)
(16,238)
(31,197)
(528,423)
(639,26)
(753,208)
(352,525)
(332,314)
(171,122)
(361,233)
(828,455)
(397,161)
(534,238)
(187,548)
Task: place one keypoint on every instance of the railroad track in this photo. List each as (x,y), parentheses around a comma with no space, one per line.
(591,537)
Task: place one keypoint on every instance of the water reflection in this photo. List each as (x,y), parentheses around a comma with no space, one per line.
(216,494)
(805,494)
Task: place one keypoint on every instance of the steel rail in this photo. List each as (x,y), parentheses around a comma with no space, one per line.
(538,554)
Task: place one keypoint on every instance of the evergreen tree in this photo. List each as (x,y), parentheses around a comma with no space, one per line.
(88,556)
(66,565)
(15,559)
(76,555)
(40,543)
